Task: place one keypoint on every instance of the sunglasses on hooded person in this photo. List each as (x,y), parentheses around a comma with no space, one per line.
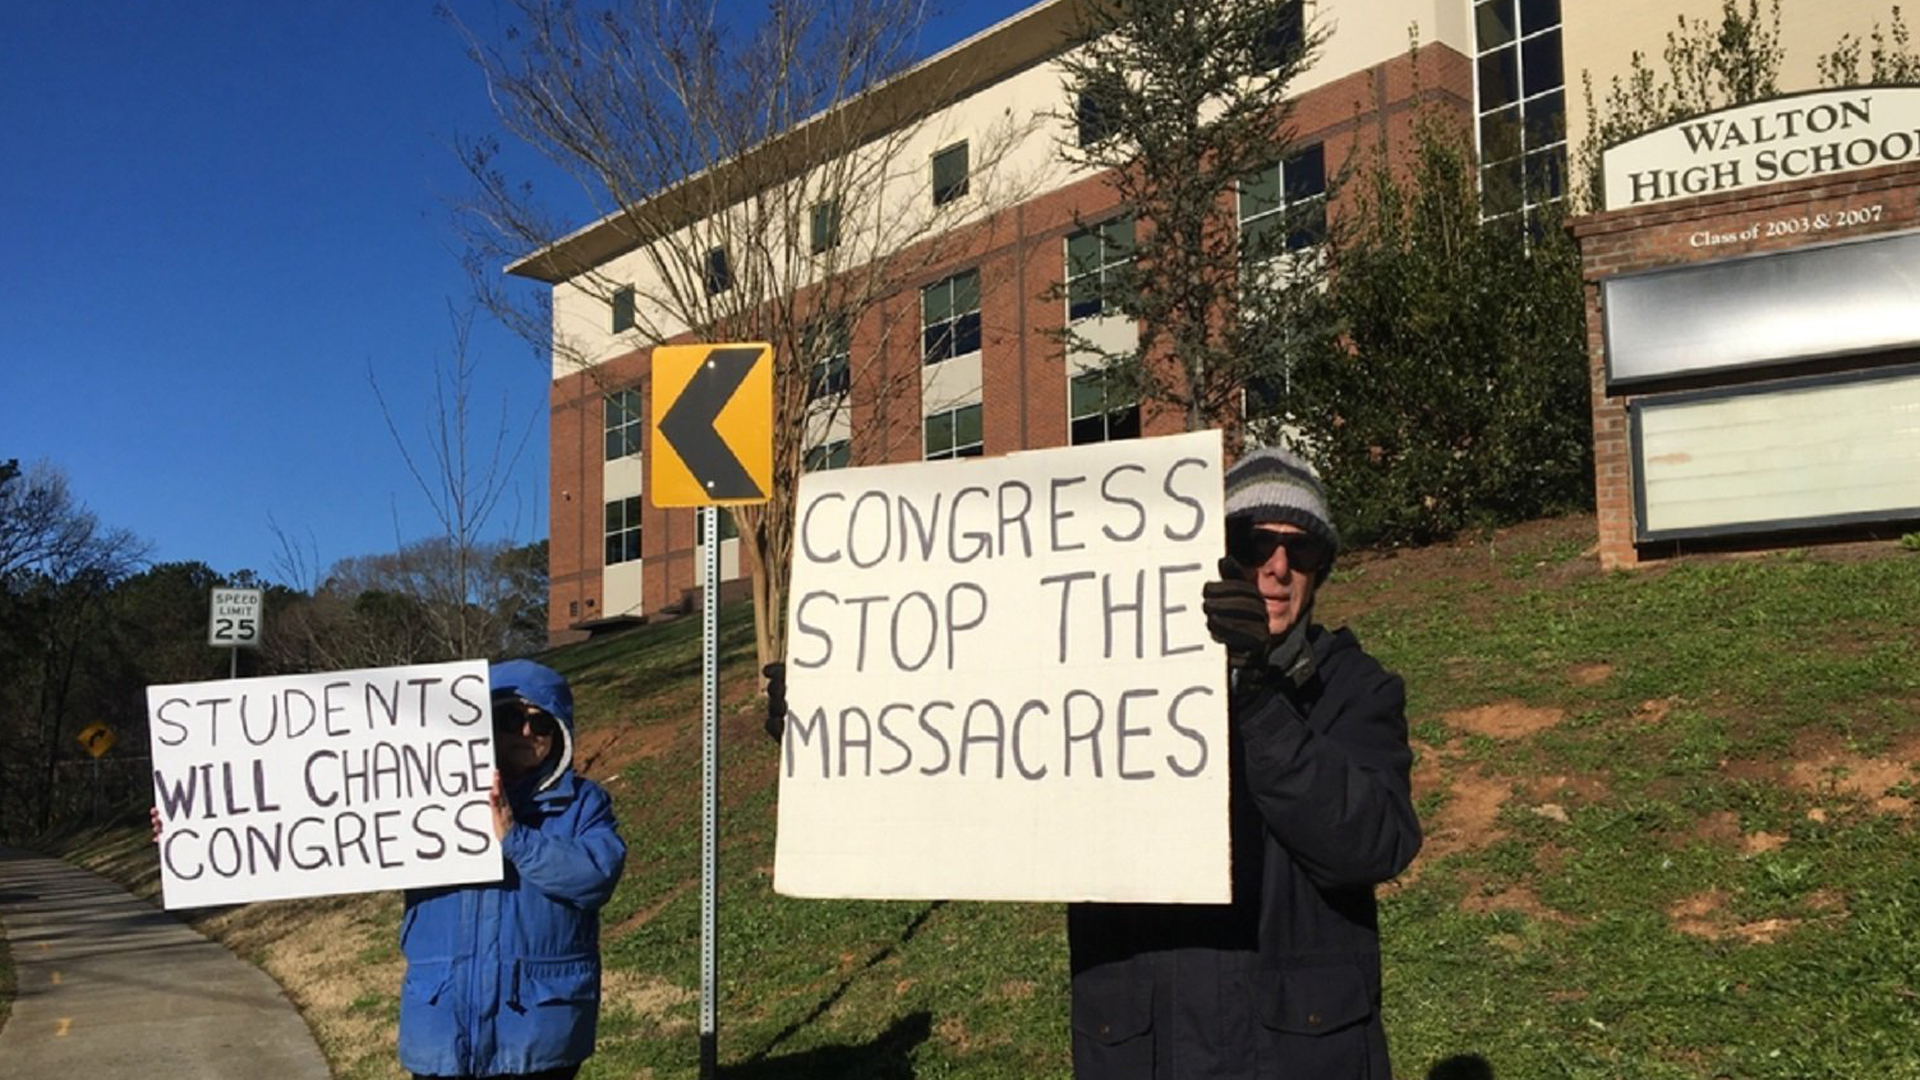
(511,714)
(1251,547)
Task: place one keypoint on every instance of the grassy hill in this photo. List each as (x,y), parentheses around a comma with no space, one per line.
(1670,821)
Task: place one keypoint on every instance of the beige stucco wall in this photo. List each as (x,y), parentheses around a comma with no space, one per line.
(1363,34)
(1600,38)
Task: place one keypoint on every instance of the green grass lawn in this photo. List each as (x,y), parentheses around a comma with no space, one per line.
(1690,857)
(1669,835)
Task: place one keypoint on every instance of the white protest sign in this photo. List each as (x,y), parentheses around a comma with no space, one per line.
(307,785)
(1000,684)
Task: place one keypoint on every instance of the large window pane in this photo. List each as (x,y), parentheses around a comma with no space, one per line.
(936,302)
(1499,78)
(966,334)
(1305,174)
(1546,175)
(1083,297)
(939,436)
(966,291)
(1500,134)
(1547,119)
(1536,15)
(1260,192)
(1493,23)
(1540,63)
(1083,253)
(966,425)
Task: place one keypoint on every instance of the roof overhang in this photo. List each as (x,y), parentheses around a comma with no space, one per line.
(1009,46)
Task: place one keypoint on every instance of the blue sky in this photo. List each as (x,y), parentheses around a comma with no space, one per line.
(217,218)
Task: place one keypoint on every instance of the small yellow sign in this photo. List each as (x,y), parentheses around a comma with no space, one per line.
(712,431)
(97,738)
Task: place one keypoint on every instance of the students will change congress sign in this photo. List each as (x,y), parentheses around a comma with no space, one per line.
(1000,682)
(308,785)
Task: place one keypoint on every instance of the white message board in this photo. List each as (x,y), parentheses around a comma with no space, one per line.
(308,785)
(1000,681)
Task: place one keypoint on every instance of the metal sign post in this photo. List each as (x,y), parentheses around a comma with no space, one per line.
(712,446)
(710,796)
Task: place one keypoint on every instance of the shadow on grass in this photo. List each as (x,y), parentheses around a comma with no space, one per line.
(880,956)
(889,1056)
(1462,1067)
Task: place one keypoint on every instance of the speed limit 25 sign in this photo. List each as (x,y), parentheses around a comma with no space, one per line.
(235,618)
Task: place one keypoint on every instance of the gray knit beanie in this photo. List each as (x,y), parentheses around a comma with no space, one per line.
(1272,484)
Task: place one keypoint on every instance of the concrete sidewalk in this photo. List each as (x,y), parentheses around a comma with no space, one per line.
(111,988)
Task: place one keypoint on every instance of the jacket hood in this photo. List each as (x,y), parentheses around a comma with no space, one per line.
(543,688)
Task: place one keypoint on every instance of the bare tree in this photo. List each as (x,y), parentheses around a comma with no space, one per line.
(797,150)
(463,475)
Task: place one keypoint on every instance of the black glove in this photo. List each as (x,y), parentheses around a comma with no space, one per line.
(1291,659)
(776,674)
(1237,615)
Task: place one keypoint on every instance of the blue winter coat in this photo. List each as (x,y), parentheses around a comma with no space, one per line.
(504,978)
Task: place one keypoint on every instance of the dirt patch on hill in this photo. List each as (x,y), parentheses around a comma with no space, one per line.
(603,750)
(1590,674)
(645,997)
(1516,898)
(1704,915)
(1469,817)
(1823,768)
(1505,720)
(1568,788)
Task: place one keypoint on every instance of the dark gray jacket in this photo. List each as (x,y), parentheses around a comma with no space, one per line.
(1284,982)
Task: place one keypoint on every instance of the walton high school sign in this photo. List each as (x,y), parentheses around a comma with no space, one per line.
(1785,138)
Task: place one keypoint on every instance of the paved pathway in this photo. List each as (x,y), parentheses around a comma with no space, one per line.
(109,987)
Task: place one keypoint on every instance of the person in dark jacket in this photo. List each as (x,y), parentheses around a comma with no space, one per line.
(1284,981)
(503,979)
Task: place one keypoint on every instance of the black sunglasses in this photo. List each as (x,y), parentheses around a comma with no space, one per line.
(1251,547)
(509,716)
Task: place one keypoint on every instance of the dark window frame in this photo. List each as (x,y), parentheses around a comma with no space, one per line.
(949,188)
(717,270)
(824,227)
(1111,255)
(1299,179)
(624,309)
(621,529)
(620,423)
(1112,422)
(832,454)
(955,332)
(954,448)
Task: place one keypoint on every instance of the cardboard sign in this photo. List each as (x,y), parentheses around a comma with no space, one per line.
(1000,682)
(307,785)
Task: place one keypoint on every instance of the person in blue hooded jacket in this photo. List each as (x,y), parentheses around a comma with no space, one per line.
(503,978)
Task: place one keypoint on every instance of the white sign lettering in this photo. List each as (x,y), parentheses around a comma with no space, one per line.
(1786,138)
(307,785)
(1000,681)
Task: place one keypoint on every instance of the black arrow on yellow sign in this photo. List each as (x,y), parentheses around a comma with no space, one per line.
(688,424)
